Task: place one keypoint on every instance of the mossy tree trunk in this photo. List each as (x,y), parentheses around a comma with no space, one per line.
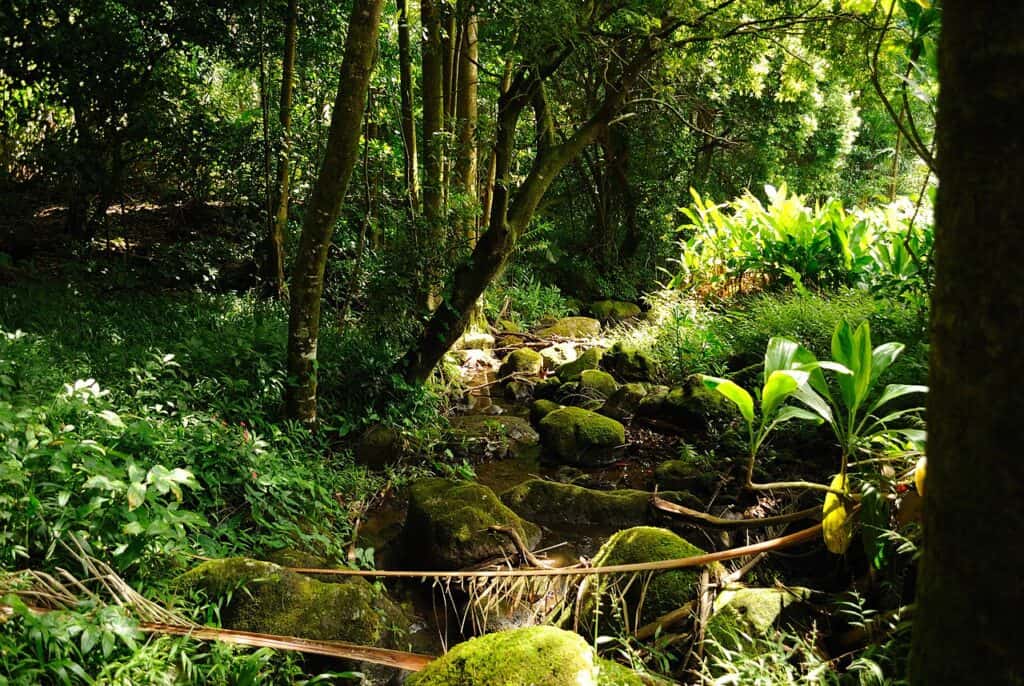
(970,593)
(325,207)
(274,267)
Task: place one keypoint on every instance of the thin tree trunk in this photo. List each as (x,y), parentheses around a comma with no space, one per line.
(325,207)
(274,269)
(433,133)
(970,592)
(467,116)
(412,175)
(268,208)
(492,166)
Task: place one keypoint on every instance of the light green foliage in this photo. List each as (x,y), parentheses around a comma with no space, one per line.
(788,241)
(524,304)
(538,655)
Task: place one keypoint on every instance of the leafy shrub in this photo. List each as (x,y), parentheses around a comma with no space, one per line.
(526,303)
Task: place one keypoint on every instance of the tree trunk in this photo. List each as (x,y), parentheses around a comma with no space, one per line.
(325,207)
(412,175)
(433,146)
(466,162)
(970,592)
(274,268)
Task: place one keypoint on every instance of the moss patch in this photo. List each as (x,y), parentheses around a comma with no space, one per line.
(599,382)
(749,612)
(614,310)
(523,361)
(541,409)
(624,403)
(537,656)
(628,363)
(447,524)
(591,359)
(573,327)
(611,673)
(576,436)
(691,407)
(556,504)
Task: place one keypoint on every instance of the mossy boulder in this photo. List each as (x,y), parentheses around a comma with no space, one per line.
(547,389)
(542,408)
(558,354)
(591,359)
(624,403)
(572,327)
(742,615)
(380,446)
(614,310)
(531,656)
(627,363)
(692,407)
(523,362)
(496,436)
(596,381)
(475,340)
(683,475)
(576,436)
(664,592)
(446,526)
(558,504)
(278,601)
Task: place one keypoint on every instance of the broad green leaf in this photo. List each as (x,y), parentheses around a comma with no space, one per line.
(861,366)
(813,400)
(883,356)
(136,495)
(733,392)
(780,354)
(779,386)
(893,391)
(842,352)
(789,412)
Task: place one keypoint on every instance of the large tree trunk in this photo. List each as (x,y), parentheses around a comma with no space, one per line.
(274,268)
(325,207)
(412,175)
(970,593)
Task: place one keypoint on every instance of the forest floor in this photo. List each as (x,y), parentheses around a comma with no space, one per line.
(191,370)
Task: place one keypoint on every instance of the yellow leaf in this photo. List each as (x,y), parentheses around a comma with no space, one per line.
(919,475)
(836,525)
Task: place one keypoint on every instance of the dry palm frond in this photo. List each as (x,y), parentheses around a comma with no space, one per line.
(100,585)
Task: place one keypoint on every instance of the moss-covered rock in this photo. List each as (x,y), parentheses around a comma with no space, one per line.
(572,327)
(524,362)
(475,340)
(547,389)
(380,446)
(596,381)
(614,310)
(692,407)
(742,615)
(532,656)
(278,601)
(683,475)
(624,403)
(666,591)
(446,526)
(492,435)
(540,409)
(629,364)
(559,504)
(591,359)
(576,436)
(558,354)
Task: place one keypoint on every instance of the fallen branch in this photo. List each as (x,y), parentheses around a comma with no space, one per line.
(520,545)
(721,522)
(696,561)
